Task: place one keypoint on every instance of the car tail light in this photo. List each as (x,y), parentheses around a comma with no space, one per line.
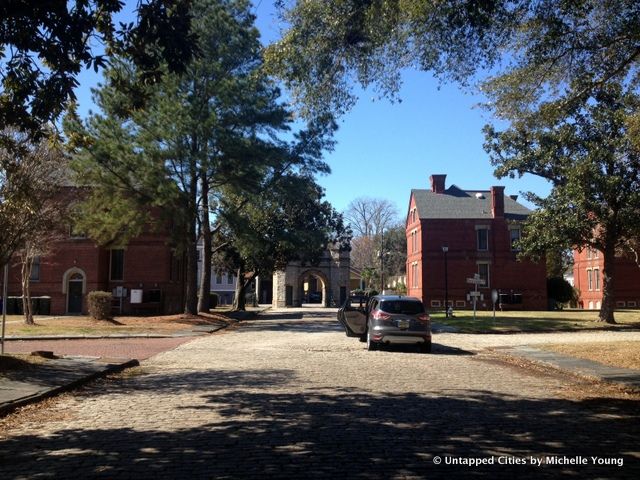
(378,315)
(423,317)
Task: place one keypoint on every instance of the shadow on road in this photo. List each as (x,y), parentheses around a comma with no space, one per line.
(329,433)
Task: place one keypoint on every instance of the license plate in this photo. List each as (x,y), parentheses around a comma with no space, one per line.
(403,324)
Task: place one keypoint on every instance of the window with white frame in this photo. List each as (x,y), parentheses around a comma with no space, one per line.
(218,278)
(414,241)
(483,271)
(596,278)
(590,279)
(414,274)
(229,278)
(482,235)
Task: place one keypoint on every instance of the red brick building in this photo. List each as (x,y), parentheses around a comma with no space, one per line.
(587,278)
(478,229)
(145,276)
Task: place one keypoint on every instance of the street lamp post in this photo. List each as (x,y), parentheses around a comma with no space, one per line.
(382,262)
(445,249)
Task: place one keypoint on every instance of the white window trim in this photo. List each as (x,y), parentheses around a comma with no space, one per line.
(478,228)
(488,264)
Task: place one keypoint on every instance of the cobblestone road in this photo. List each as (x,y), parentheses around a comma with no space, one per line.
(290,396)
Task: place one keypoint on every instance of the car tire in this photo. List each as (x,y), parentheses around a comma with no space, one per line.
(425,347)
(371,345)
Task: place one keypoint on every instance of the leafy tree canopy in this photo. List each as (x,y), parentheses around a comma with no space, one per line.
(536,48)
(586,152)
(44,45)
(30,177)
(287,220)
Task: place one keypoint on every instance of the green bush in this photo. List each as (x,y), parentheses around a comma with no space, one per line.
(99,305)
(560,291)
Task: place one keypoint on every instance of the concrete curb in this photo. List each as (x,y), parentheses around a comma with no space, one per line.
(195,332)
(34,392)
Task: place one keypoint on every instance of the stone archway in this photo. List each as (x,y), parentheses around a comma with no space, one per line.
(332,271)
(313,282)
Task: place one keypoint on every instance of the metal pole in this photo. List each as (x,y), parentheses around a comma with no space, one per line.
(4,304)
(446,286)
(475,299)
(382,262)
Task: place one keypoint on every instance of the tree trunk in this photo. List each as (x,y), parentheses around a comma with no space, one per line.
(191,301)
(239,302)
(608,296)
(26,290)
(205,283)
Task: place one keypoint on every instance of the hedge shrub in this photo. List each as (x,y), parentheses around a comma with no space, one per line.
(99,305)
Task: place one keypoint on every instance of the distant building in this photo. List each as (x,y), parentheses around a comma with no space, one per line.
(478,229)
(587,277)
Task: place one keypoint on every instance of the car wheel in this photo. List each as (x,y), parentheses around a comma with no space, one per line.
(425,347)
(371,345)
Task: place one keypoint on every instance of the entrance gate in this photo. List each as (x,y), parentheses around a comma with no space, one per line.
(331,273)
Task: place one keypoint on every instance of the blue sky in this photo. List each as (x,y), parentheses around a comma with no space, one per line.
(384,150)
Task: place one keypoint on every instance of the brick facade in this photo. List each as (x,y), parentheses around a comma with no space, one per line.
(452,217)
(587,278)
(77,266)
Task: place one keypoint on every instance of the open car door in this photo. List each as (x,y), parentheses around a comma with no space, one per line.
(353,316)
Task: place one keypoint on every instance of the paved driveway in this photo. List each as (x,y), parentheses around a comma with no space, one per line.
(290,396)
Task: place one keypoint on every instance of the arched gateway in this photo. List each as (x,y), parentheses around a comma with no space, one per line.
(326,283)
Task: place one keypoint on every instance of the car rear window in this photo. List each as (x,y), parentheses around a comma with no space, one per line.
(401,306)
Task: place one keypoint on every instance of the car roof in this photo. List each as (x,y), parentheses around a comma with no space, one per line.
(397,297)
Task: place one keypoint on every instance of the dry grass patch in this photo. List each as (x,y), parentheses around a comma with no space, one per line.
(161,325)
(614,354)
(16,362)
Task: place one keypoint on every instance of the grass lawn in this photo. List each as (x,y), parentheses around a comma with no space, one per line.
(544,321)
(82,325)
(615,354)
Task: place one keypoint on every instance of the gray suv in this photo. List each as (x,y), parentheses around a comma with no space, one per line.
(387,319)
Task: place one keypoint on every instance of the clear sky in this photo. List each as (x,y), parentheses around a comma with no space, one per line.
(384,150)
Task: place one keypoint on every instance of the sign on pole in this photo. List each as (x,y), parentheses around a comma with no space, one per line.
(494,298)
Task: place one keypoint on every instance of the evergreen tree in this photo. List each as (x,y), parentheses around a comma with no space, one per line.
(214,128)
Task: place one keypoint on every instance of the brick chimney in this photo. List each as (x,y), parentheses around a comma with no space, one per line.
(437,183)
(497,202)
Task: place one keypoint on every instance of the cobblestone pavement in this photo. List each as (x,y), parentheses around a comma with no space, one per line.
(290,396)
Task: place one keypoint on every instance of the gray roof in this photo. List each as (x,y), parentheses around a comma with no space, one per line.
(455,203)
